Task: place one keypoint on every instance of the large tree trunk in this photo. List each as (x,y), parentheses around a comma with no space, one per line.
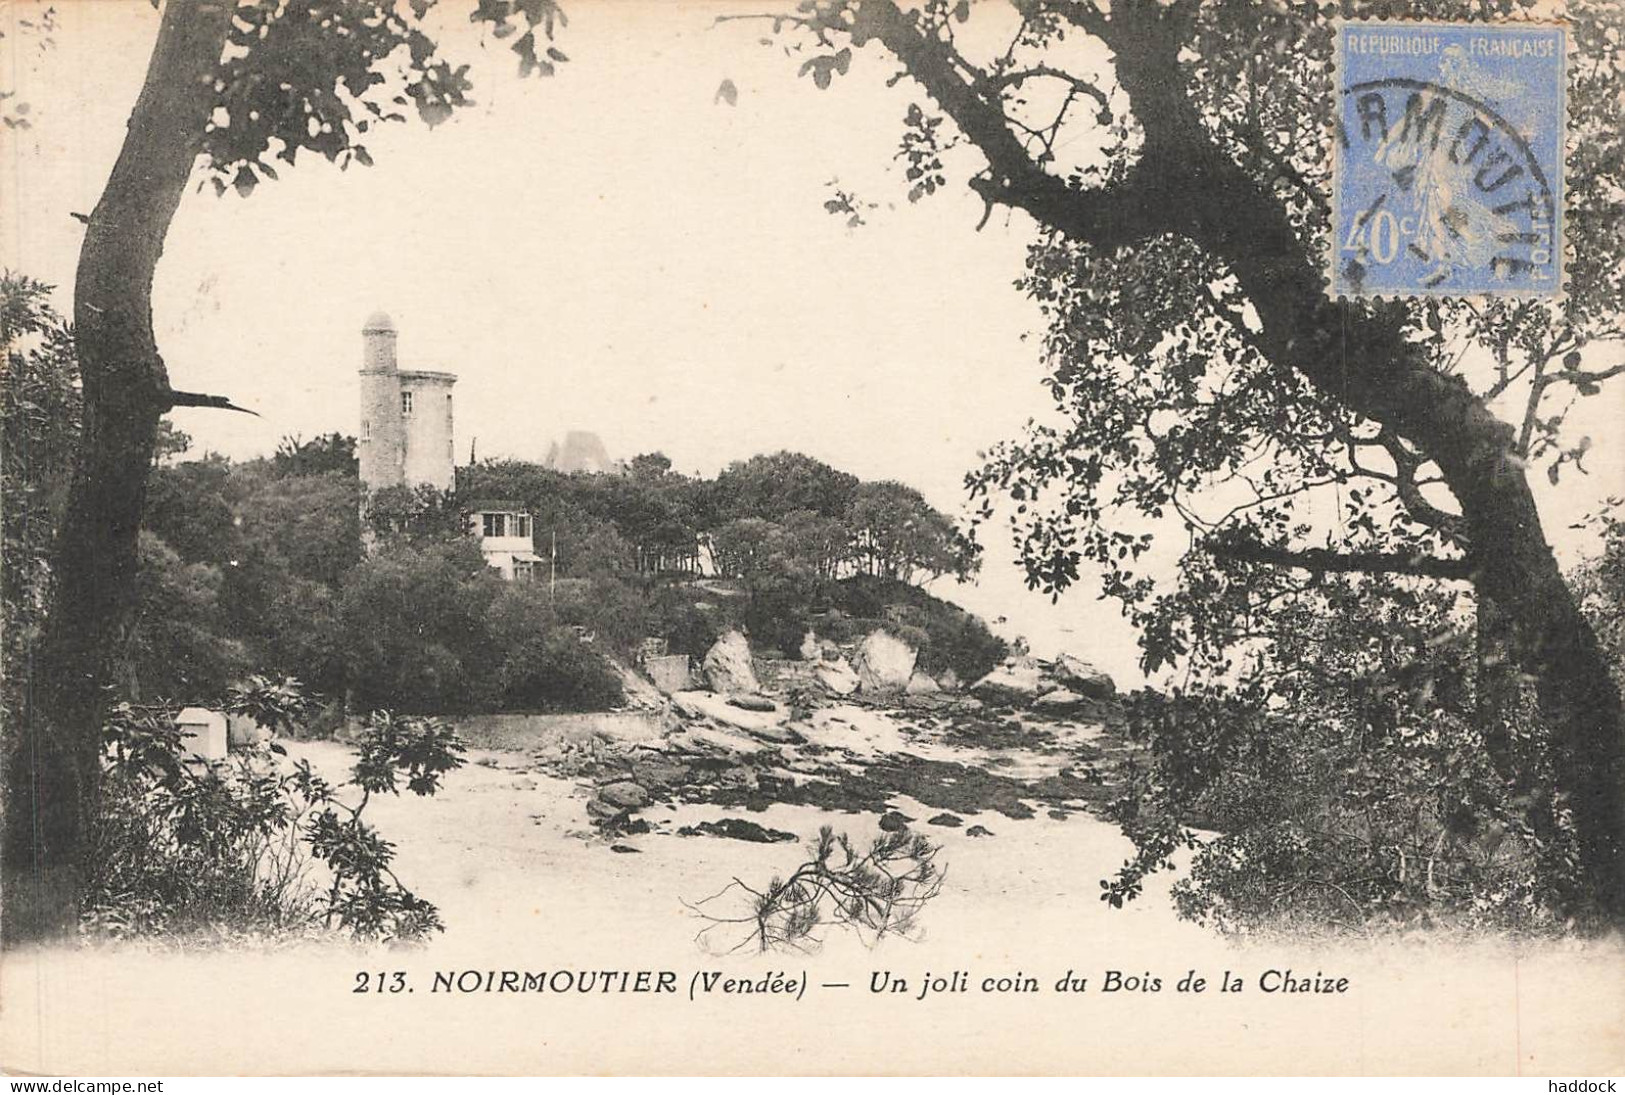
(1360,356)
(52,760)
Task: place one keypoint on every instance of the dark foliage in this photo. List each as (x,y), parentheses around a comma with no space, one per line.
(255,849)
(1356,789)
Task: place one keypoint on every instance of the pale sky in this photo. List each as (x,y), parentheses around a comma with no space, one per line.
(607,250)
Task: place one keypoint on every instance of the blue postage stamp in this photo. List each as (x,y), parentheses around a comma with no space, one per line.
(1447,165)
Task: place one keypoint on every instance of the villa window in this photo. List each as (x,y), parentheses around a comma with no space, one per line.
(506,524)
(406,404)
(524,570)
(366,430)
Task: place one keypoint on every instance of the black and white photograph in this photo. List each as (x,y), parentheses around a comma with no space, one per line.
(812,537)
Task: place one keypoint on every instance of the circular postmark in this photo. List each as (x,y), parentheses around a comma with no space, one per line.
(1439,194)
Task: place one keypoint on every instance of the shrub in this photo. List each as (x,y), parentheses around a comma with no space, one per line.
(614,611)
(778,607)
(196,851)
(543,662)
(555,670)
(958,641)
(952,638)
(687,627)
(415,621)
(179,647)
(1352,787)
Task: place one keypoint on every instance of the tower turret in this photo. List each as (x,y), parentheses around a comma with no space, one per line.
(380,448)
(378,338)
(406,417)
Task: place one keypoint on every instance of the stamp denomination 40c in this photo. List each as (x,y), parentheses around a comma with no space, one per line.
(1447,165)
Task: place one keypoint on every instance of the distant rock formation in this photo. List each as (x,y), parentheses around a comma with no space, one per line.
(582,451)
(838,676)
(727,666)
(884,664)
(1016,683)
(1081,677)
(1067,686)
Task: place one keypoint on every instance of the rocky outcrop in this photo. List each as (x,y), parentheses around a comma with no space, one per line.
(637,693)
(617,800)
(1061,701)
(838,676)
(786,676)
(1016,683)
(727,666)
(921,684)
(734,828)
(582,451)
(1065,703)
(894,822)
(884,664)
(745,711)
(624,795)
(777,734)
(1068,686)
(1079,676)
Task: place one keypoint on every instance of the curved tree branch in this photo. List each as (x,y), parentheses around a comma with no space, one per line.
(1324,561)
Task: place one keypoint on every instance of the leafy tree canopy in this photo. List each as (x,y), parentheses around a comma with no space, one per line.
(1210,400)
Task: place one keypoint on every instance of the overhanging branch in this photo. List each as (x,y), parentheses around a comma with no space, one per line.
(1021,76)
(198,399)
(1324,561)
(1107,217)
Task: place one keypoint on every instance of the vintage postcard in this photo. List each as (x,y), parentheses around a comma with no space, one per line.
(812,537)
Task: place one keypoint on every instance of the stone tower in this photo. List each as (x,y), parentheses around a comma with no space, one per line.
(406,417)
(380,442)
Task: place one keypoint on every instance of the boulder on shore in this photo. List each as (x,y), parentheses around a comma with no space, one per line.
(884,663)
(1079,676)
(1062,700)
(1016,683)
(727,711)
(624,794)
(921,684)
(727,666)
(838,676)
